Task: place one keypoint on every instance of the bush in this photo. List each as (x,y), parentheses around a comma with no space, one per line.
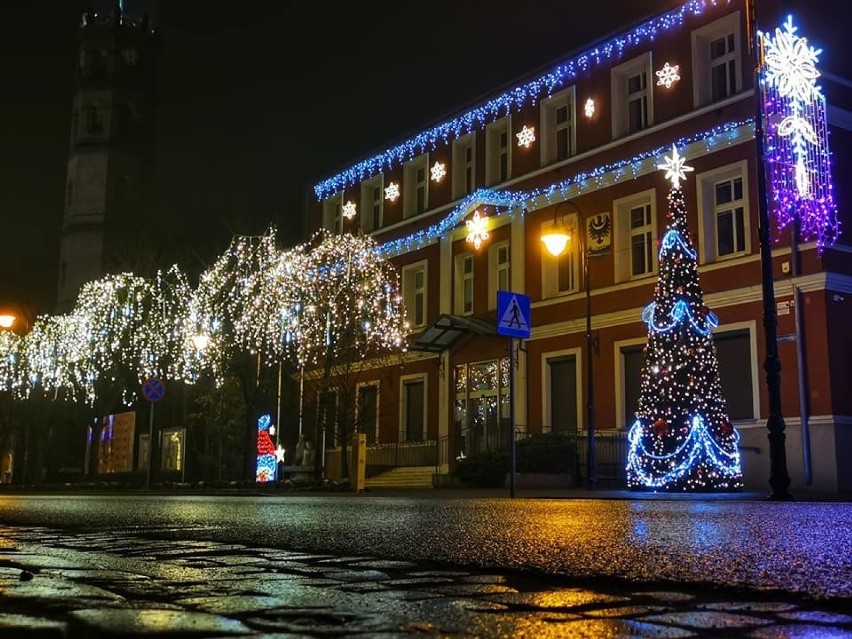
(484,469)
(546,453)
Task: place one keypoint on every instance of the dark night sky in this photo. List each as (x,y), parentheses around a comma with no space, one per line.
(259,100)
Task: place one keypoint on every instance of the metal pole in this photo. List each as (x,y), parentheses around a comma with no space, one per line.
(591,461)
(779,480)
(278,408)
(512,442)
(150,445)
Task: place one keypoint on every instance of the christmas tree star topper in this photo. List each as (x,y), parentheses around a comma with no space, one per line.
(675,168)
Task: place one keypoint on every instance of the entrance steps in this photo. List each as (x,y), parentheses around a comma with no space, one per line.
(403,477)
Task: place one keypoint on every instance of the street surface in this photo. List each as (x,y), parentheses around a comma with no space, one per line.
(386,566)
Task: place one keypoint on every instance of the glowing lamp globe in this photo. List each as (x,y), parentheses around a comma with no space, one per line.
(6,321)
(555,240)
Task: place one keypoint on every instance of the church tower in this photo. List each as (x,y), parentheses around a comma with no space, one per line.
(109,181)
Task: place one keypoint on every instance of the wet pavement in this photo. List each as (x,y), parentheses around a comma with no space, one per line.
(126,583)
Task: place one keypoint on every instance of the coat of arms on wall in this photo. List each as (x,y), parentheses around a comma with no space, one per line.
(599,233)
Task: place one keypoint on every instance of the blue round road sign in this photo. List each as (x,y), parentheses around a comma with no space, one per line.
(153,389)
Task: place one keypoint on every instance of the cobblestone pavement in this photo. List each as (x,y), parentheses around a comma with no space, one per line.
(75,584)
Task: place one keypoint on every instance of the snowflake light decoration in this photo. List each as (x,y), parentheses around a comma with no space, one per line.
(280,453)
(349,210)
(675,168)
(589,108)
(438,170)
(477,229)
(796,136)
(791,64)
(668,75)
(526,136)
(392,192)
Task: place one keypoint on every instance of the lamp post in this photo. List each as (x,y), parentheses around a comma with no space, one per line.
(555,242)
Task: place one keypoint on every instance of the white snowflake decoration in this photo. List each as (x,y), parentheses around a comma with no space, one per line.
(791,64)
(477,229)
(675,168)
(668,75)
(589,108)
(279,453)
(392,191)
(438,171)
(349,210)
(526,136)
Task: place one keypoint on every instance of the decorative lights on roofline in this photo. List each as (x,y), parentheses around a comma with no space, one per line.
(512,100)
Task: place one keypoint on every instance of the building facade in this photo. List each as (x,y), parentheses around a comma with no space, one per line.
(111,153)
(579,148)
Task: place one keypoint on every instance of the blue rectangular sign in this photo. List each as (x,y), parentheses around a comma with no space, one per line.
(513,314)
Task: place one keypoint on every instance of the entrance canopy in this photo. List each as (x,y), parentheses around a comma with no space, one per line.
(447,329)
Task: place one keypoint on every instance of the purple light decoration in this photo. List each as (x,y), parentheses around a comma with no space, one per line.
(796,138)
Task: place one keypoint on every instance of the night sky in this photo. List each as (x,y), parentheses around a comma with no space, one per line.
(258,101)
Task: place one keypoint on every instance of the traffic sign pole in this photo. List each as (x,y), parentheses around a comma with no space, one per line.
(153,389)
(512,416)
(150,445)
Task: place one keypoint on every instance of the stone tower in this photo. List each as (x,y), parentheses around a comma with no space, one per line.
(109,179)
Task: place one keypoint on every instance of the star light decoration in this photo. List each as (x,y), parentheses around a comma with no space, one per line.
(349,210)
(668,75)
(280,453)
(439,171)
(675,168)
(477,229)
(526,136)
(392,192)
(589,108)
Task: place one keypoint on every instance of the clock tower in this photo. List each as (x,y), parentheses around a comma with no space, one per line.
(109,182)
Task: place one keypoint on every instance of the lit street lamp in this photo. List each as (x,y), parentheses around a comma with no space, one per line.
(555,240)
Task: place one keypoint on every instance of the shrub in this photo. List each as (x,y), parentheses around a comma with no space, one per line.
(483,469)
(546,453)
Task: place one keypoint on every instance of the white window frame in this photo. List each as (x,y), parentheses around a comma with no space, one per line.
(619,77)
(402,403)
(550,265)
(462,164)
(411,185)
(368,203)
(622,208)
(702,86)
(332,213)
(462,278)
(358,387)
(708,229)
(495,134)
(550,127)
(546,412)
(410,291)
(495,267)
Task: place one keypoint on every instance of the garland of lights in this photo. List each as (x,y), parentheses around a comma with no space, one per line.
(798,156)
(514,99)
(681,438)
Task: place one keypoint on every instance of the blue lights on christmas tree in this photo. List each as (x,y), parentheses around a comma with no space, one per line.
(681,438)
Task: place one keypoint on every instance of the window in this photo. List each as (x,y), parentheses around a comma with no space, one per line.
(635,227)
(499,272)
(332,218)
(632,97)
(413,409)
(481,407)
(93,121)
(464,284)
(716,60)
(561,384)
(367,418)
(464,165)
(328,408)
(414,293)
(557,124)
(497,152)
(415,188)
(632,358)
(560,274)
(736,371)
(372,198)
(723,220)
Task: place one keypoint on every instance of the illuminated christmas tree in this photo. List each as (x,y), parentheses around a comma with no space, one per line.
(681,439)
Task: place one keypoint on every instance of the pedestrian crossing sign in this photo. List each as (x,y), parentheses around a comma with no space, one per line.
(513,314)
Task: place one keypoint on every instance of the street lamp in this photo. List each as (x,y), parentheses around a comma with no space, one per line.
(7,320)
(555,240)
